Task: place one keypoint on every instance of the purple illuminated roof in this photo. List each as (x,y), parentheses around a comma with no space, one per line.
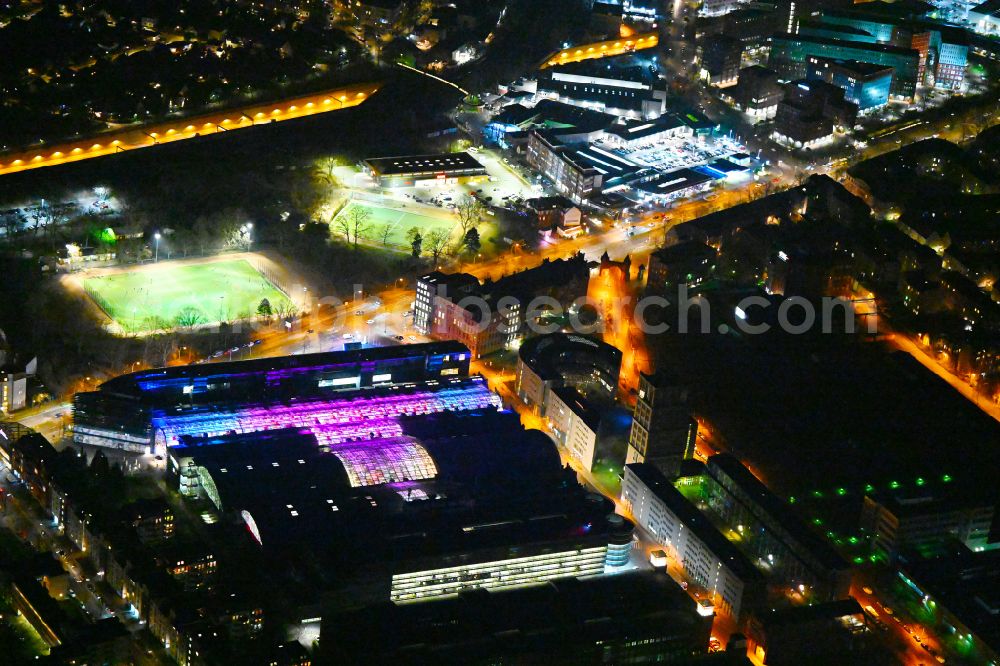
(345,419)
(385,461)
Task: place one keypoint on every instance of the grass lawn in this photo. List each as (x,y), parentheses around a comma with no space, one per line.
(158,297)
(400,222)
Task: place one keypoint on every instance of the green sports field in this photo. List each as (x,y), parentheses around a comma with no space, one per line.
(163,297)
(400,221)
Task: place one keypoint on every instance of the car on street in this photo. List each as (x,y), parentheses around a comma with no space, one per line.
(399,337)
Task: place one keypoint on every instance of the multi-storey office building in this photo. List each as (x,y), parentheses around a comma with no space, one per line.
(636,617)
(782,543)
(572,177)
(706,556)
(720,59)
(944,50)
(575,423)
(959,591)
(757,92)
(864,84)
(790,57)
(663,432)
(549,361)
(925,521)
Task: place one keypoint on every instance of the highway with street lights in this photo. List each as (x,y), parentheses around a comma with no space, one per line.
(146,136)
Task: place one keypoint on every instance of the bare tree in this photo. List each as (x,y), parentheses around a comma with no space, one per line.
(384,231)
(435,243)
(470,213)
(354,223)
(325,173)
(189,317)
(41,216)
(284,308)
(13,221)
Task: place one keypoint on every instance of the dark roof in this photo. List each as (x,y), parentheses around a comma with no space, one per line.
(684,252)
(563,118)
(725,166)
(638,129)
(858,67)
(778,510)
(549,203)
(549,355)
(990,7)
(580,406)
(297,492)
(696,521)
(830,610)
(130,383)
(548,274)
(523,284)
(967,584)
(673,181)
(905,504)
(514,114)
(838,43)
(747,214)
(460,281)
(407,164)
(575,620)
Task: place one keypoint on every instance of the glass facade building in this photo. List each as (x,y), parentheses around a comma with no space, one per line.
(499,574)
(790,58)
(866,85)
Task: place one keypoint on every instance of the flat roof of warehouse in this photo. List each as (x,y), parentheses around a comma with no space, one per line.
(389,166)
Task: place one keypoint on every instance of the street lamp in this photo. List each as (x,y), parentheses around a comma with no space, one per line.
(156,237)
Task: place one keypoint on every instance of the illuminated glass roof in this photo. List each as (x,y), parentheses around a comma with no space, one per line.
(333,421)
(385,461)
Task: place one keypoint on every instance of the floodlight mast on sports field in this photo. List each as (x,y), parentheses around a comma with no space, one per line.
(156,238)
(247,231)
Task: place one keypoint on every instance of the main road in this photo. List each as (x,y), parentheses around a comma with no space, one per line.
(146,136)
